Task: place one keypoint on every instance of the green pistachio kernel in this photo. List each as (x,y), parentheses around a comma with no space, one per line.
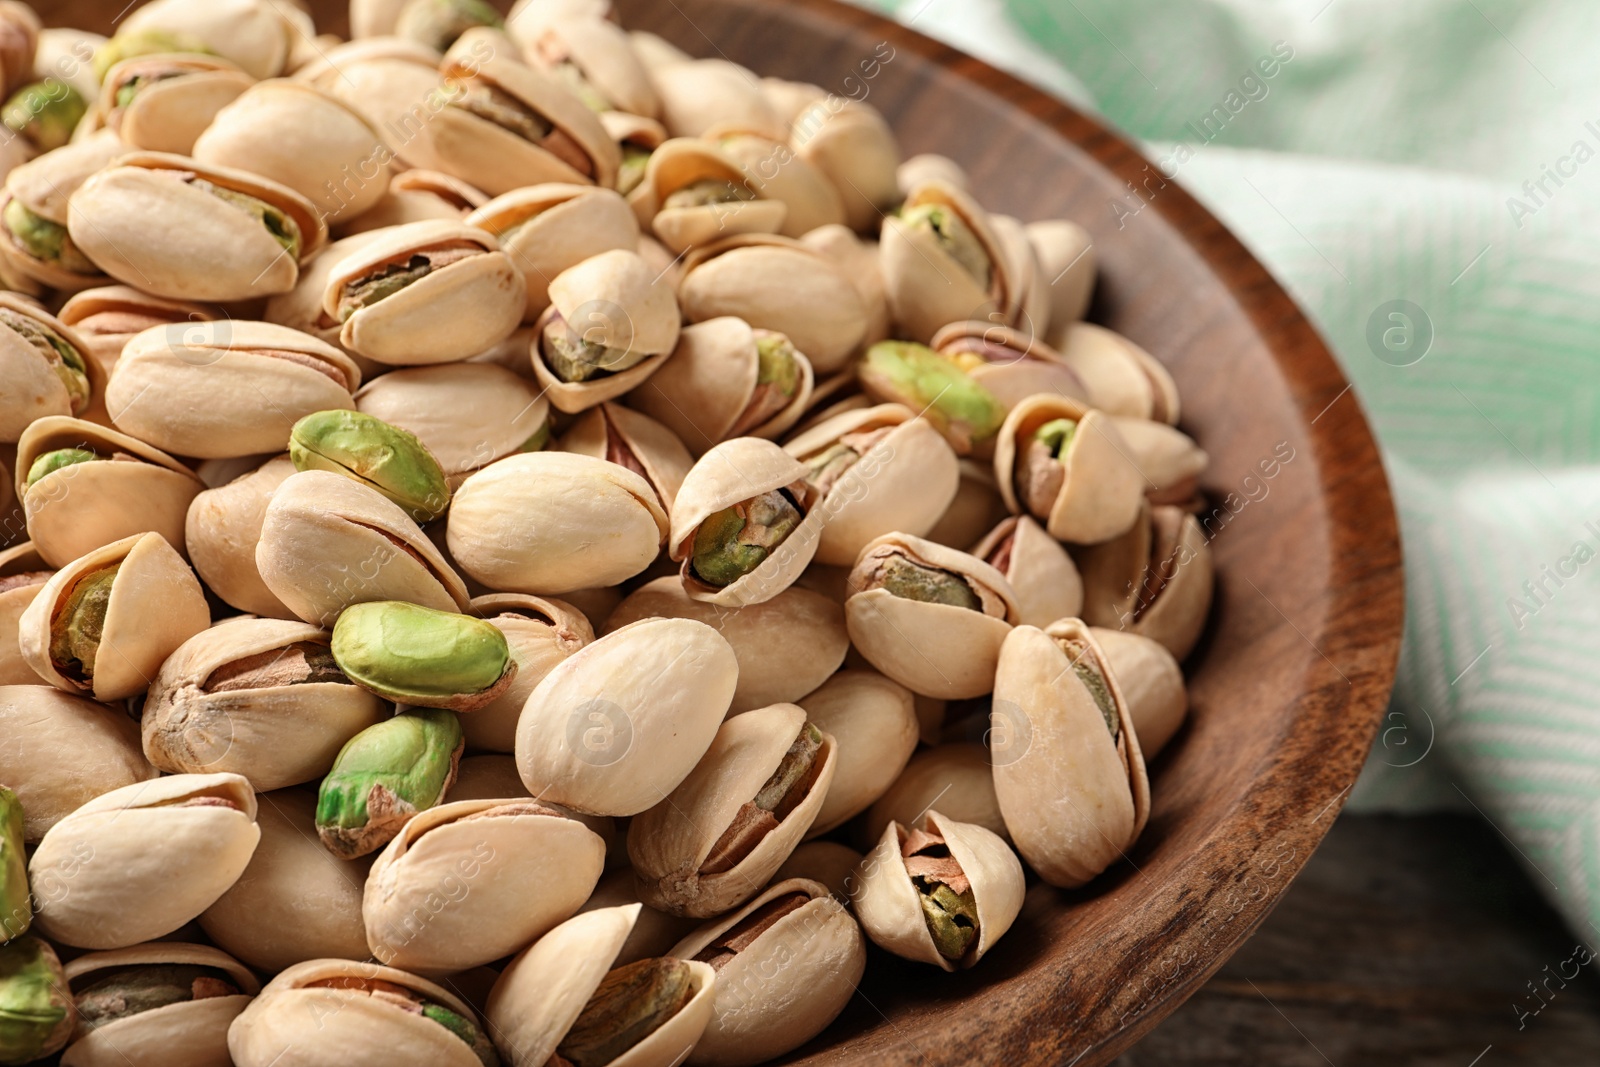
(45,112)
(67,360)
(283,229)
(466,1030)
(1056,435)
(539,441)
(778,378)
(966,413)
(35,1005)
(51,462)
(955,237)
(1088,672)
(143,43)
(630,1004)
(376,454)
(138,989)
(129,90)
(708,191)
(735,541)
(914,581)
(571,75)
(383,776)
(420,656)
(943,889)
(77,627)
(635,159)
(16,907)
(573,357)
(44,240)
(438,24)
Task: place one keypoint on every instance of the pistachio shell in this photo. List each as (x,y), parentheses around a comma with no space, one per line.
(494,777)
(977,507)
(955,776)
(173,845)
(293,902)
(541,634)
(926,286)
(771,167)
(827,862)
(932,167)
(601,52)
(23,573)
(634,440)
(782,988)
(874,724)
(1012,364)
(1122,378)
(417,196)
(467,883)
(327,543)
(1101,492)
(1067,264)
(255,34)
(785,647)
(394,83)
(554,227)
(43,186)
(1042,575)
(1029,283)
(615,727)
(301,307)
(1151,682)
(1168,458)
(702,93)
(36,385)
(1155,580)
(1074,797)
(679,164)
(179,97)
(222,529)
(77,509)
(243,697)
(850,142)
(858,259)
(108,317)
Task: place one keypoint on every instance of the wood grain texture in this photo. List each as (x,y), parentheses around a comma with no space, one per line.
(1288,686)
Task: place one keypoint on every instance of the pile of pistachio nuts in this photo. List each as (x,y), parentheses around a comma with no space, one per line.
(521,546)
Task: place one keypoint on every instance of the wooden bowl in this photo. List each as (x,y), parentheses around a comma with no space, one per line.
(1291,680)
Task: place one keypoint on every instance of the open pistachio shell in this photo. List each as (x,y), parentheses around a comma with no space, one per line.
(546,229)
(1012,364)
(33,207)
(292,903)
(493,776)
(779,284)
(939,632)
(634,440)
(45,365)
(850,142)
(223,389)
(103,624)
(301,307)
(1097,490)
(773,168)
(879,469)
(467,883)
(1067,264)
(23,573)
(874,722)
(1123,379)
(700,94)
(395,83)
(926,284)
(541,633)
(1169,460)
(165,1002)
(138,862)
(328,1011)
(787,963)
(693,193)
(892,896)
(827,862)
(614,728)
(1155,580)
(222,529)
(786,647)
(554,522)
(956,776)
(1151,682)
(720,835)
(859,261)
(255,34)
(594,56)
(162,103)
(417,196)
(108,317)
(976,509)
(127,488)
(654,932)
(176,228)
(1042,575)
(39,723)
(1074,796)
(257,697)
(1028,280)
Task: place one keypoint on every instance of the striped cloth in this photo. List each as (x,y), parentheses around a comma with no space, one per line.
(1423,177)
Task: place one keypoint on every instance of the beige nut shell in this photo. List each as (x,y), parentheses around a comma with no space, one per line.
(956,776)
(1123,378)
(926,287)
(1103,491)
(1117,573)
(561,225)
(1043,576)
(541,633)
(873,720)
(605,430)
(169,114)
(1020,364)
(680,162)
(15,561)
(222,529)
(1151,682)
(32,387)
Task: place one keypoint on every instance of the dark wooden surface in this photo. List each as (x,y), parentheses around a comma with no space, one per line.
(1290,683)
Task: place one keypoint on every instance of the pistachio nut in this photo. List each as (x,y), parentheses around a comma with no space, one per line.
(262,698)
(292,903)
(719,836)
(787,963)
(1068,466)
(654,933)
(494,776)
(785,647)
(243,236)
(222,529)
(240,387)
(152,42)
(1042,575)
(1151,683)
(524,866)
(304,138)
(468,415)
(375,454)
(44,367)
(162,102)
(699,95)
(546,229)
(1168,458)
(956,776)
(876,470)
(33,214)
(940,892)
(938,389)
(1068,771)
(301,307)
(19,38)
(929,617)
(1155,580)
(553,522)
(1028,280)
(438,24)
(1066,256)
(374,18)
(858,259)
(328,542)
(778,284)
(593,58)
(108,317)
(422,657)
(16,905)
(67,53)
(693,193)
(638,137)
(943,262)
(772,167)
(630,439)
(39,723)
(384,776)
(790,98)
(527,17)
(827,862)
(727,379)
(427,292)
(23,573)
(255,34)
(46,112)
(931,167)
(138,862)
(417,196)
(134,599)
(874,722)
(565,1000)
(83,486)
(616,726)
(163,1002)
(975,510)
(1123,379)
(611,323)
(326,1011)
(541,633)
(856,149)
(36,1011)
(1010,363)
(505,125)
